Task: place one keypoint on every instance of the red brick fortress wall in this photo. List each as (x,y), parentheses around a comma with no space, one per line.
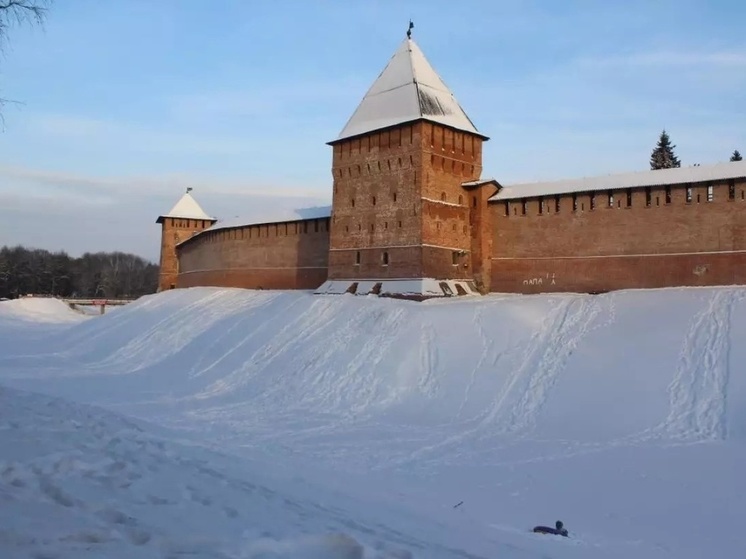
(399,207)
(288,255)
(173,232)
(682,235)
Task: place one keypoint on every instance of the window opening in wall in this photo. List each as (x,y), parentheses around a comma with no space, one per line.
(394,196)
(698,197)
(352,202)
(357,258)
(385,224)
(523,207)
(688,194)
(437,226)
(668,194)
(541,206)
(611,198)
(385,258)
(454,226)
(359,227)
(648,196)
(629,197)
(400,224)
(710,193)
(442,196)
(731,189)
(507,208)
(474,201)
(454,257)
(575,202)
(593,200)
(373,199)
(557,203)
(372,227)
(460,200)
(347,228)
(657,200)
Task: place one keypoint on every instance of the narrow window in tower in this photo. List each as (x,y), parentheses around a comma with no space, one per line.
(400,225)
(442,196)
(668,194)
(732,189)
(710,193)
(611,198)
(347,228)
(541,205)
(352,202)
(574,202)
(657,200)
(394,196)
(373,199)
(460,200)
(400,162)
(385,224)
(648,196)
(359,227)
(474,201)
(357,258)
(688,194)
(592,200)
(557,203)
(507,208)
(454,226)
(372,227)
(454,258)
(629,197)
(523,207)
(385,258)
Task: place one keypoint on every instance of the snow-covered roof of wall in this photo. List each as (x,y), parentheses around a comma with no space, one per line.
(658,177)
(187,208)
(278,217)
(407,89)
(301,214)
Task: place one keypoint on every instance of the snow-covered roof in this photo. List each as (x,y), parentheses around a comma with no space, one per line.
(408,89)
(479,182)
(186,208)
(300,214)
(658,177)
(277,217)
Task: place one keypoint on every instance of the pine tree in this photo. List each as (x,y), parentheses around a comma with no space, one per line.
(663,156)
(736,156)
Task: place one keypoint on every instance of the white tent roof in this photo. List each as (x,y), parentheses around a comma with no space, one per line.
(658,177)
(187,208)
(407,89)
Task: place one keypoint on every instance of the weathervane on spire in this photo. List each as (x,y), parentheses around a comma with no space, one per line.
(409,31)
(189,189)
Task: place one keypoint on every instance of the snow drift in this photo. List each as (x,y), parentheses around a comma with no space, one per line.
(622,414)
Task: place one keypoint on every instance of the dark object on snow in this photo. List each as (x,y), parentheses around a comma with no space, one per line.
(559,529)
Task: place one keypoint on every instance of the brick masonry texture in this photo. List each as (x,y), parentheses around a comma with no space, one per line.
(173,232)
(288,255)
(641,238)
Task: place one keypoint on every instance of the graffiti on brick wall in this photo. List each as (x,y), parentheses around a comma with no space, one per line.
(549,279)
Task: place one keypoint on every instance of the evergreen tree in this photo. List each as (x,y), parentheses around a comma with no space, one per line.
(736,156)
(663,156)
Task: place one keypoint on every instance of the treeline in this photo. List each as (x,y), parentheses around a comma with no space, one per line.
(25,271)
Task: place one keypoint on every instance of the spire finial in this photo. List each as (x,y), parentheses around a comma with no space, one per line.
(189,189)
(409,30)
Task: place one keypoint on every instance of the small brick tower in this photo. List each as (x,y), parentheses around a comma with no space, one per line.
(409,212)
(185,219)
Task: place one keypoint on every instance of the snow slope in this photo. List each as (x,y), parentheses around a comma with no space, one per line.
(623,414)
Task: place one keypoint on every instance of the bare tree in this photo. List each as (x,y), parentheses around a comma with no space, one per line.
(20,12)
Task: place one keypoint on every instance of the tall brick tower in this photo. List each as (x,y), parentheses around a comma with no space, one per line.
(409,211)
(185,219)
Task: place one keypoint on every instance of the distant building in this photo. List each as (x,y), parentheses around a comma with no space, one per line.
(411,216)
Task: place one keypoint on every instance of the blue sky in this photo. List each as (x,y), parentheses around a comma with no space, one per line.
(123,104)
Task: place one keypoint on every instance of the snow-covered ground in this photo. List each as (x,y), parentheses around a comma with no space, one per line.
(228,423)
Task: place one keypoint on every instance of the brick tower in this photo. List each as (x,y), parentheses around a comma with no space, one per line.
(409,211)
(185,219)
